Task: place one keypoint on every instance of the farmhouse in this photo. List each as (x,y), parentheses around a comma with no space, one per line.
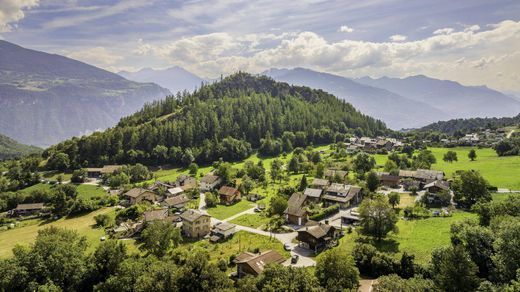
(317,236)
(177,202)
(195,224)
(137,195)
(186,182)
(296,212)
(228,195)
(105,170)
(222,231)
(27,209)
(253,264)
(344,195)
(422,175)
(437,186)
(209,182)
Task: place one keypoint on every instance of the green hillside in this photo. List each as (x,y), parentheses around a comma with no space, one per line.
(10,148)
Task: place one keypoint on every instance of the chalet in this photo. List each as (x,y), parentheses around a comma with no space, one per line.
(154,215)
(228,195)
(384,144)
(344,195)
(195,224)
(389,180)
(175,191)
(331,174)
(317,236)
(137,195)
(253,264)
(319,183)
(437,186)
(27,209)
(422,175)
(222,231)
(105,170)
(313,195)
(177,202)
(186,182)
(296,212)
(209,182)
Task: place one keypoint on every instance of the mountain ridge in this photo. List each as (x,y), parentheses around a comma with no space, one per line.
(175,78)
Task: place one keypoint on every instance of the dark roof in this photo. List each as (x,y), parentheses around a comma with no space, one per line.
(227,191)
(257,262)
(317,231)
(389,177)
(440,184)
(313,193)
(192,215)
(295,205)
(155,215)
(32,206)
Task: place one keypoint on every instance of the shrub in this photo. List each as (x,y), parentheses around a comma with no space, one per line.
(325,212)
(103,220)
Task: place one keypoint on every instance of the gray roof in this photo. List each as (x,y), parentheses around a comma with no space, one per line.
(192,215)
(32,206)
(209,178)
(224,226)
(313,193)
(295,205)
(320,182)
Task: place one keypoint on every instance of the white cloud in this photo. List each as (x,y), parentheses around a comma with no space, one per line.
(345,28)
(472,28)
(398,38)
(12,11)
(98,56)
(446,30)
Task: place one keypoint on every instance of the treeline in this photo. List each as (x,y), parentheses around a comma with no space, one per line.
(224,120)
(469,125)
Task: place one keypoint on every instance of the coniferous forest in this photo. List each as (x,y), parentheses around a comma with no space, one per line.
(226,119)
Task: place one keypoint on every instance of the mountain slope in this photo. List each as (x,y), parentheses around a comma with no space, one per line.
(10,148)
(395,110)
(468,125)
(174,78)
(456,100)
(225,120)
(45,98)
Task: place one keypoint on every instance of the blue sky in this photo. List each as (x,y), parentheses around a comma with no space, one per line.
(474,42)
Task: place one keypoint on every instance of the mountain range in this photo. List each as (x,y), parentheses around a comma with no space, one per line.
(174,78)
(45,98)
(10,148)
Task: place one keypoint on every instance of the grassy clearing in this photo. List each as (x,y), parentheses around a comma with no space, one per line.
(417,237)
(90,191)
(222,212)
(37,187)
(27,234)
(251,220)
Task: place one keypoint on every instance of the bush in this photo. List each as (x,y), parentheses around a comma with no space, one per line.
(222,265)
(325,212)
(79,176)
(103,220)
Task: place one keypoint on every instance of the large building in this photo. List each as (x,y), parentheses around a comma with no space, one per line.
(195,224)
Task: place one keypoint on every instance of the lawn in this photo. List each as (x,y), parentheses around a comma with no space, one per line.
(90,191)
(27,234)
(36,187)
(251,220)
(222,212)
(417,237)
(240,242)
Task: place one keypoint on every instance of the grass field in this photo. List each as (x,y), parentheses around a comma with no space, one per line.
(417,237)
(251,220)
(90,191)
(27,234)
(40,186)
(222,212)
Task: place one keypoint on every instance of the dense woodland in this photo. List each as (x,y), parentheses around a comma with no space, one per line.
(469,125)
(225,120)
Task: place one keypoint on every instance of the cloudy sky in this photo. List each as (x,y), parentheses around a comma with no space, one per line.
(475,42)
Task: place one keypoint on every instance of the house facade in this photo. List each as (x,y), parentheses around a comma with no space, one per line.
(209,182)
(317,236)
(229,195)
(195,224)
(296,212)
(137,195)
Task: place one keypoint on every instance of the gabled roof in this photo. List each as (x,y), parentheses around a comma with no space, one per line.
(227,191)
(312,193)
(320,182)
(224,226)
(209,179)
(155,215)
(175,191)
(295,205)
(192,215)
(110,168)
(136,192)
(259,261)
(440,184)
(177,200)
(338,188)
(317,230)
(32,206)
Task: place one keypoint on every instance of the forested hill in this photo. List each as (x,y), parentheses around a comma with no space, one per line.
(9,148)
(226,119)
(468,125)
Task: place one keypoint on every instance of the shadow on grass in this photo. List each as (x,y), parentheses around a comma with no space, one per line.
(384,245)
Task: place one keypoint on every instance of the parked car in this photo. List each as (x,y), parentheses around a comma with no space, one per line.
(287,246)
(294,259)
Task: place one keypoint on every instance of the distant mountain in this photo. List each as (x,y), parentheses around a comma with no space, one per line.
(174,78)
(395,110)
(452,98)
(10,148)
(45,98)
(468,125)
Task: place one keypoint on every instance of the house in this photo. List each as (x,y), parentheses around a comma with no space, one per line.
(228,195)
(313,195)
(296,212)
(384,144)
(222,231)
(317,236)
(389,180)
(175,191)
(137,195)
(320,183)
(177,202)
(27,209)
(253,264)
(422,175)
(186,182)
(195,224)
(159,185)
(209,182)
(154,215)
(331,174)
(437,186)
(344,195)
(105,170)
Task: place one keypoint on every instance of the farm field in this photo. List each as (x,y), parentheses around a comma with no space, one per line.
(251,220)
(26,234)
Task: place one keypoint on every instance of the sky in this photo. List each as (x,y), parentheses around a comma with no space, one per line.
(474,42)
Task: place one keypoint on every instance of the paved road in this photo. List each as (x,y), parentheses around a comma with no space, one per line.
(202,202)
